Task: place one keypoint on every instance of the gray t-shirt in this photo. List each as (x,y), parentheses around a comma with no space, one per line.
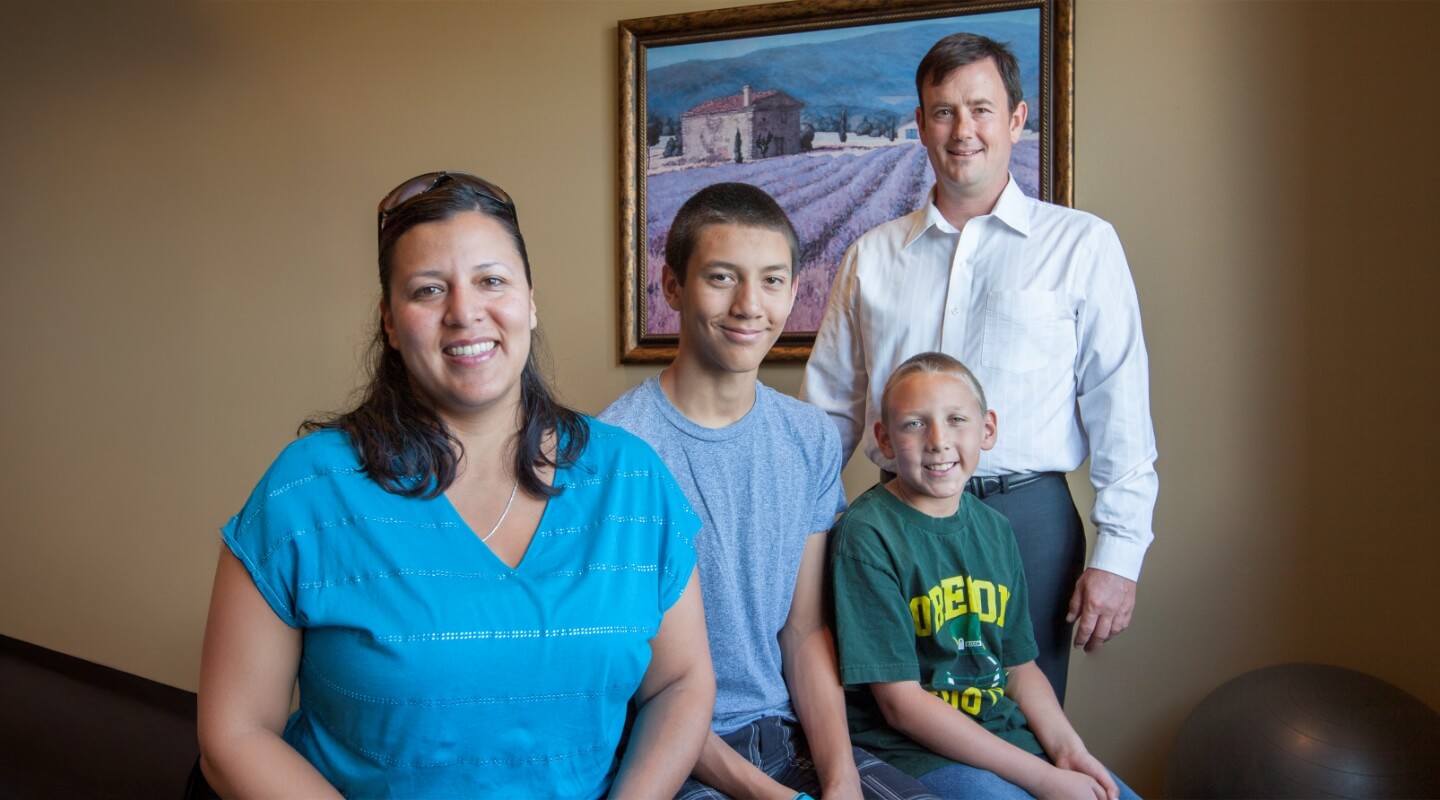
(761,486)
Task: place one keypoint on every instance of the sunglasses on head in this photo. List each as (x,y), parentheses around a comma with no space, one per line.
(422,184)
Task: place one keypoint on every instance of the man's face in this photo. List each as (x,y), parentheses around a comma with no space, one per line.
(968,128)
(737,294)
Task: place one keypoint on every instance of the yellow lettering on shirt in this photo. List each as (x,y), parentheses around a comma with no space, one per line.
(920,613)
(982,599)
(956,596)
(971,700)
(937,607)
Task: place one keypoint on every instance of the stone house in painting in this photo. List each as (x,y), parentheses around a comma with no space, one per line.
(768,122)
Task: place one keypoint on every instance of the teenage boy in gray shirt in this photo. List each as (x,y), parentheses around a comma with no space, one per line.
(763,471)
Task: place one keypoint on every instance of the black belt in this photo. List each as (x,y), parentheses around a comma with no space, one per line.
(983,487)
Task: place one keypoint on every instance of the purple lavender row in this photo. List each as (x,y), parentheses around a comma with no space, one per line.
(899,191)
(831,200)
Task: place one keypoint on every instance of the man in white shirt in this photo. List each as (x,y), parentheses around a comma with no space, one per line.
(1037,299)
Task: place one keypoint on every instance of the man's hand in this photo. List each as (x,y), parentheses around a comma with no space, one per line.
(1102,603)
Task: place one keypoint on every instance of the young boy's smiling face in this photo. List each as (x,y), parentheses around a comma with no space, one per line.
(934,429)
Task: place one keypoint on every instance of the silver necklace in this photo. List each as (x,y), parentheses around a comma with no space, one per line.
(503,514)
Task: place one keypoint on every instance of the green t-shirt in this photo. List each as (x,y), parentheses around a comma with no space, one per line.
(939,601)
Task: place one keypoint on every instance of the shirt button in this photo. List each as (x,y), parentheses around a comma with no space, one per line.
(954,311)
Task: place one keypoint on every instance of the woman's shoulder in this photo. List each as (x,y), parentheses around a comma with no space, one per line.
(309,480)
(327,448)
(323,454)
(613,452)
(609,443)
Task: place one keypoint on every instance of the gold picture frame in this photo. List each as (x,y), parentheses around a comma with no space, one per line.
(799,82)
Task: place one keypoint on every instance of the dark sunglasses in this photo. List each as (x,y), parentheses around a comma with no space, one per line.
(422,184)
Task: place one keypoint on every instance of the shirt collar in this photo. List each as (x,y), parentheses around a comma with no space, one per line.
(1011,209)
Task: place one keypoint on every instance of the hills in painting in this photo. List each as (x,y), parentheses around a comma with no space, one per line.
(872,73)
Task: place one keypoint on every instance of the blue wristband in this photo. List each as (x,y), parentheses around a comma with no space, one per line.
(802,796)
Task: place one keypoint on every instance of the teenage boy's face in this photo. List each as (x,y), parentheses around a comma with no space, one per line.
(933,428)
(737,295)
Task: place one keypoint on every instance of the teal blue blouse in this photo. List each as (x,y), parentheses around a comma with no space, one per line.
(430,667)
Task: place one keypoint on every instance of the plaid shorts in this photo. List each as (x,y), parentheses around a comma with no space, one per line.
(778,748)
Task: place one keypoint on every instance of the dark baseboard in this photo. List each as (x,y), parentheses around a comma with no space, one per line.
(152,693)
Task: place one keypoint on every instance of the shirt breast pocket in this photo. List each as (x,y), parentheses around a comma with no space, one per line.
(1027,330)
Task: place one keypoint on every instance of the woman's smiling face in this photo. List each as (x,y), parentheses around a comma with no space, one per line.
(460,312)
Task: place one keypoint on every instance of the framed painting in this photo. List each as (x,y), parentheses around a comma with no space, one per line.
(813,101)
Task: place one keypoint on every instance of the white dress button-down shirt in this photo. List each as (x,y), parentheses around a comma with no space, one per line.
(1038,301)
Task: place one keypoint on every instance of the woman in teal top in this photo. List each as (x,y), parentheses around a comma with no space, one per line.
(470,582)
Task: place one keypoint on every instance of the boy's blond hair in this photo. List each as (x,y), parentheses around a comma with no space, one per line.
(934,363)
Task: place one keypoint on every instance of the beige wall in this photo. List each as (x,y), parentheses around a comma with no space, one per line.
(187,196)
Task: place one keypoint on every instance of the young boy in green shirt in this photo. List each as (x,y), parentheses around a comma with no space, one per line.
(931,621)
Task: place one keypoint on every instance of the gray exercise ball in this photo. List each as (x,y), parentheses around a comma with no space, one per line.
(1303,731)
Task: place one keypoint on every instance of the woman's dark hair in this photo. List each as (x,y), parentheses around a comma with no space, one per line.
(403,443)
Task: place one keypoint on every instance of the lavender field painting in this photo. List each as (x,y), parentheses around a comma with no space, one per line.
(831,200)
(823,119)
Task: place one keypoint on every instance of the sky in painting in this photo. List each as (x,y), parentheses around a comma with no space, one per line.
(663,56)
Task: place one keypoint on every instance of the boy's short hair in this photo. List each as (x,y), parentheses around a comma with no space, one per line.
(725,204)
(933,363)
(961,50)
